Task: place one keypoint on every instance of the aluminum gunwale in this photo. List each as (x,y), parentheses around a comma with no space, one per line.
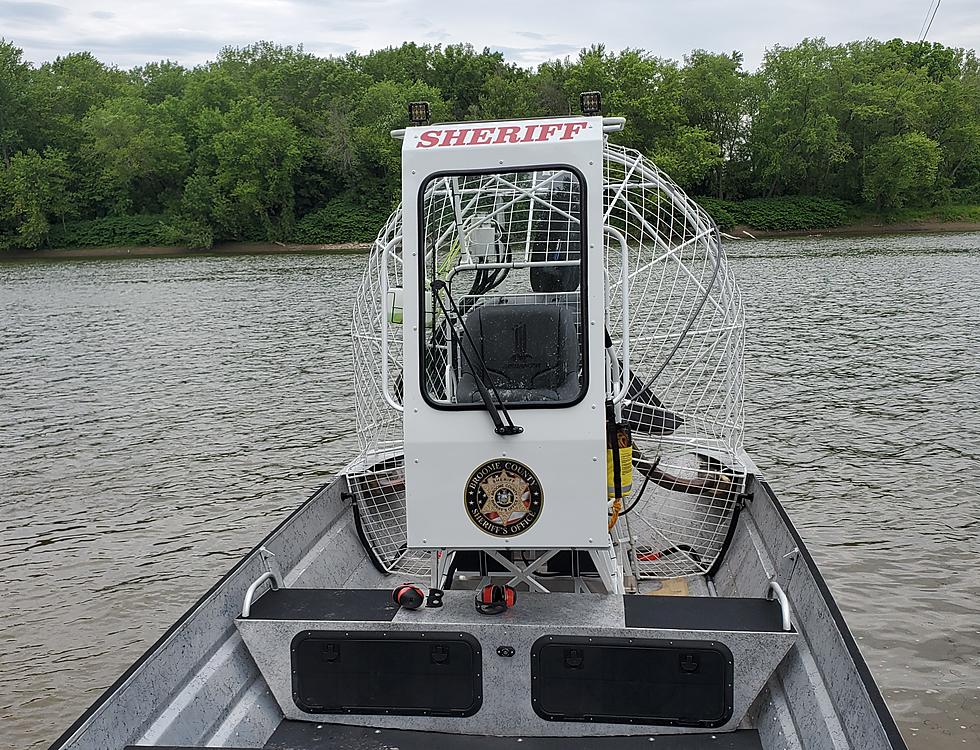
(109,692)
(892,733)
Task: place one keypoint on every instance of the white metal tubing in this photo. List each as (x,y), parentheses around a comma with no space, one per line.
(384,323)
(523,193)
(777,590)
(613,124)
(512,264)
(250,594)
(613,376)
(624,383)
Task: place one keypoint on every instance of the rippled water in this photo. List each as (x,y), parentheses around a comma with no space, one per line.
(159,416)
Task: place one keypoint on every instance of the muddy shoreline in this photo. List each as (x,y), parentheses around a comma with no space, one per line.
(745,232)
(225,248)
(266,248)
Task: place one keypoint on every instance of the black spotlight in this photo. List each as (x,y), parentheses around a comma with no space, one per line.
(591,103)
(419,113)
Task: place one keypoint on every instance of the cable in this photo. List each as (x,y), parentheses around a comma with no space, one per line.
(922,26)
(923,33)
(934,12)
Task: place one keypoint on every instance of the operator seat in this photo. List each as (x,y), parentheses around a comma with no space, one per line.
(531,353)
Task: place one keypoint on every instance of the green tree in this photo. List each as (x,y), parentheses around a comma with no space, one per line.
(14,104)
(714,98)
(795,141)
(139,157)
(383,108)
(405,64)
(690,156)
(243,184)
(901,169)
(267,135)
(460,73)
(508,94)
(33,191)
(62,92)
(159,80)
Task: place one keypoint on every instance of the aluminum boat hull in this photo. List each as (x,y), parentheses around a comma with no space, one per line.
(199,685)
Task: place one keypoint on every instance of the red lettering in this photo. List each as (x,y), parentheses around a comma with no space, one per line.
(453,137)
(428,139)
(572,129)
(507,134)
(547,131)
(484,136)
(481,136)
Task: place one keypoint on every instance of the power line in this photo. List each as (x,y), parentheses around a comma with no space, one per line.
(925,20)
(934,12)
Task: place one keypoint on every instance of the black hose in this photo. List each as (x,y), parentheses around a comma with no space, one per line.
(643,487)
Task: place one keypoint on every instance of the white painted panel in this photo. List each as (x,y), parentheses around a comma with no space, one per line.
(564,447)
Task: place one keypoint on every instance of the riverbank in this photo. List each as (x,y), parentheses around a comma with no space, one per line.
(742,231)
(737,232)
(144,251)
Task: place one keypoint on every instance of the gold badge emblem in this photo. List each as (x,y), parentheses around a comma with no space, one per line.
(504,497)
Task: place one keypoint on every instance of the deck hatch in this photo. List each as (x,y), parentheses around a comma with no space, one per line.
(399,672)
(632,681)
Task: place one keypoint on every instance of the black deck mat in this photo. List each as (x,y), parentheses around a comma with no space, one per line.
(302,735)
(702,613)
(325,604)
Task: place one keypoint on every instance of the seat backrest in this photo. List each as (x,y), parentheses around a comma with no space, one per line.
(530,351)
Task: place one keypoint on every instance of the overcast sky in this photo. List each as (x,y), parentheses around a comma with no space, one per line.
(131,32)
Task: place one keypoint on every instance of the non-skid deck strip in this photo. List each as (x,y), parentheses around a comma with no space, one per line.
(300,735)
(699,613)
(370,605)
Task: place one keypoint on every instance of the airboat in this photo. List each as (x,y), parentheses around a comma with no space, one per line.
(551,534)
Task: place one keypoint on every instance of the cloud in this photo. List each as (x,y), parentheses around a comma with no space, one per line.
(29,13)
(532,35)
(353,24)
(148,46)
(329,49)
(533,56)
(126,33)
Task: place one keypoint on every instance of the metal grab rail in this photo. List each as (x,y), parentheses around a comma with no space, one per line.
(775,588)
(384,323)
(623,389)
(250,594)
(612,124)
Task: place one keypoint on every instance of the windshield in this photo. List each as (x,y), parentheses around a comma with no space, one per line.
(508,249)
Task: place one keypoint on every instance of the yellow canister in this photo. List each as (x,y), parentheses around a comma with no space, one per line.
(619,441)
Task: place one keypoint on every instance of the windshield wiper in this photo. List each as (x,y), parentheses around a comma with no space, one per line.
(495,410)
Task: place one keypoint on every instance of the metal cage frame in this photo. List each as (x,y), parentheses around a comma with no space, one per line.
(674,314)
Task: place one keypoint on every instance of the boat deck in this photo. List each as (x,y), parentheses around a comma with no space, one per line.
(238,687)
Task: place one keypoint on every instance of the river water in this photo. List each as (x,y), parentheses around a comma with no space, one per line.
(159,416)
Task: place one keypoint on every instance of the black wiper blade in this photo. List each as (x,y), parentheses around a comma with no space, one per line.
(495,409)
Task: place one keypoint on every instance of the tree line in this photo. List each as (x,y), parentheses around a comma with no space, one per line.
(270,142)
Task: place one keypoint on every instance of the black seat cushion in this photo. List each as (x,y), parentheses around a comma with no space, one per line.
(530,351)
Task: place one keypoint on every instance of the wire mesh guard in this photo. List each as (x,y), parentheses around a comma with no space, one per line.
(507,246)
(673,313)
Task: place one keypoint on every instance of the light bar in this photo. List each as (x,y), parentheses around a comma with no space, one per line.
(419,113)
(591,103)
